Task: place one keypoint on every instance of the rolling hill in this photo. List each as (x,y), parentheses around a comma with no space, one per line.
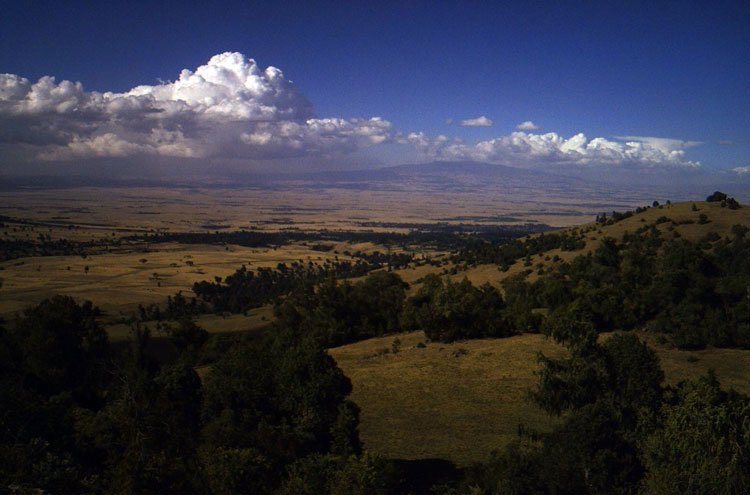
(462,400)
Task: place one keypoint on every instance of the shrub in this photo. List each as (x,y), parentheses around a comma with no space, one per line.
(716,197)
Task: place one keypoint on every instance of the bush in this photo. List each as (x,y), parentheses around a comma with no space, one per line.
(449,311)
(716,197)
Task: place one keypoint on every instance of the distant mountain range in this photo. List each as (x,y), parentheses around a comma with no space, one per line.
(469,176)
(459,176)
(434,176)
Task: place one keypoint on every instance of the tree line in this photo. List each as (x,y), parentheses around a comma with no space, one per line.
(44,245)
(443,239)
(506,252)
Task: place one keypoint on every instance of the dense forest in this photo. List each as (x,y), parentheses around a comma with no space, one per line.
(694,292)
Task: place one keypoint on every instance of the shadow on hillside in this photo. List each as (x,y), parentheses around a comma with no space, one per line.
(418,476)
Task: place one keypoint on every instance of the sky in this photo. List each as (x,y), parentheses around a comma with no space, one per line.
(127,87)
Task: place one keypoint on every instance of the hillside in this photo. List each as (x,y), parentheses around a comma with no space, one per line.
(682,222)
(462,400)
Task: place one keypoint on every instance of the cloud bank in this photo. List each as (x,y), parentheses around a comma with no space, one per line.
(550,149)
(666,145)
(232,109)
(228,108)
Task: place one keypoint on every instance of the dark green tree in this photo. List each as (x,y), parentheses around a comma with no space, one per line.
(704,445)
(449,311)
(716,197)
(62,348)
(52,371)
(610,394)
(148,431)
(269,404)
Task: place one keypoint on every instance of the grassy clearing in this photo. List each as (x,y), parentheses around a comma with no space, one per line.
(460,401)
(455,401)
(255,319)
(732,366)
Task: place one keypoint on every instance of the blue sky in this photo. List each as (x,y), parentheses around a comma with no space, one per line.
(625,72)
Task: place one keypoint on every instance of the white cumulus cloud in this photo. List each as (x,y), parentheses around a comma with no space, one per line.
(551,149)
(477,122)
(666,145)
(741,170)
(229,107)
(232,108)
(527,126)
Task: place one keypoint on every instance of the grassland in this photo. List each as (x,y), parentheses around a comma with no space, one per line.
(455,401)
(462,400)
(732,366)
(118,282)
(299,207)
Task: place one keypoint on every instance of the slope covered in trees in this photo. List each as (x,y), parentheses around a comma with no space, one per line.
(661,268)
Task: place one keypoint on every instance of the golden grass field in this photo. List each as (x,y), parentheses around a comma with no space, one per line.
(438,401)
(118,282)
(456,401)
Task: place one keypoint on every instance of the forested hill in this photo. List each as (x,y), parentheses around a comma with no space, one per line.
(678,269)
(693,221)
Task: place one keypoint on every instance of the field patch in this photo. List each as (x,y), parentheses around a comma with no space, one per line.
(454,401)
(118,282)
(462,400)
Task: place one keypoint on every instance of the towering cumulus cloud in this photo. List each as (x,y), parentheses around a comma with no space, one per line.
(228,107)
